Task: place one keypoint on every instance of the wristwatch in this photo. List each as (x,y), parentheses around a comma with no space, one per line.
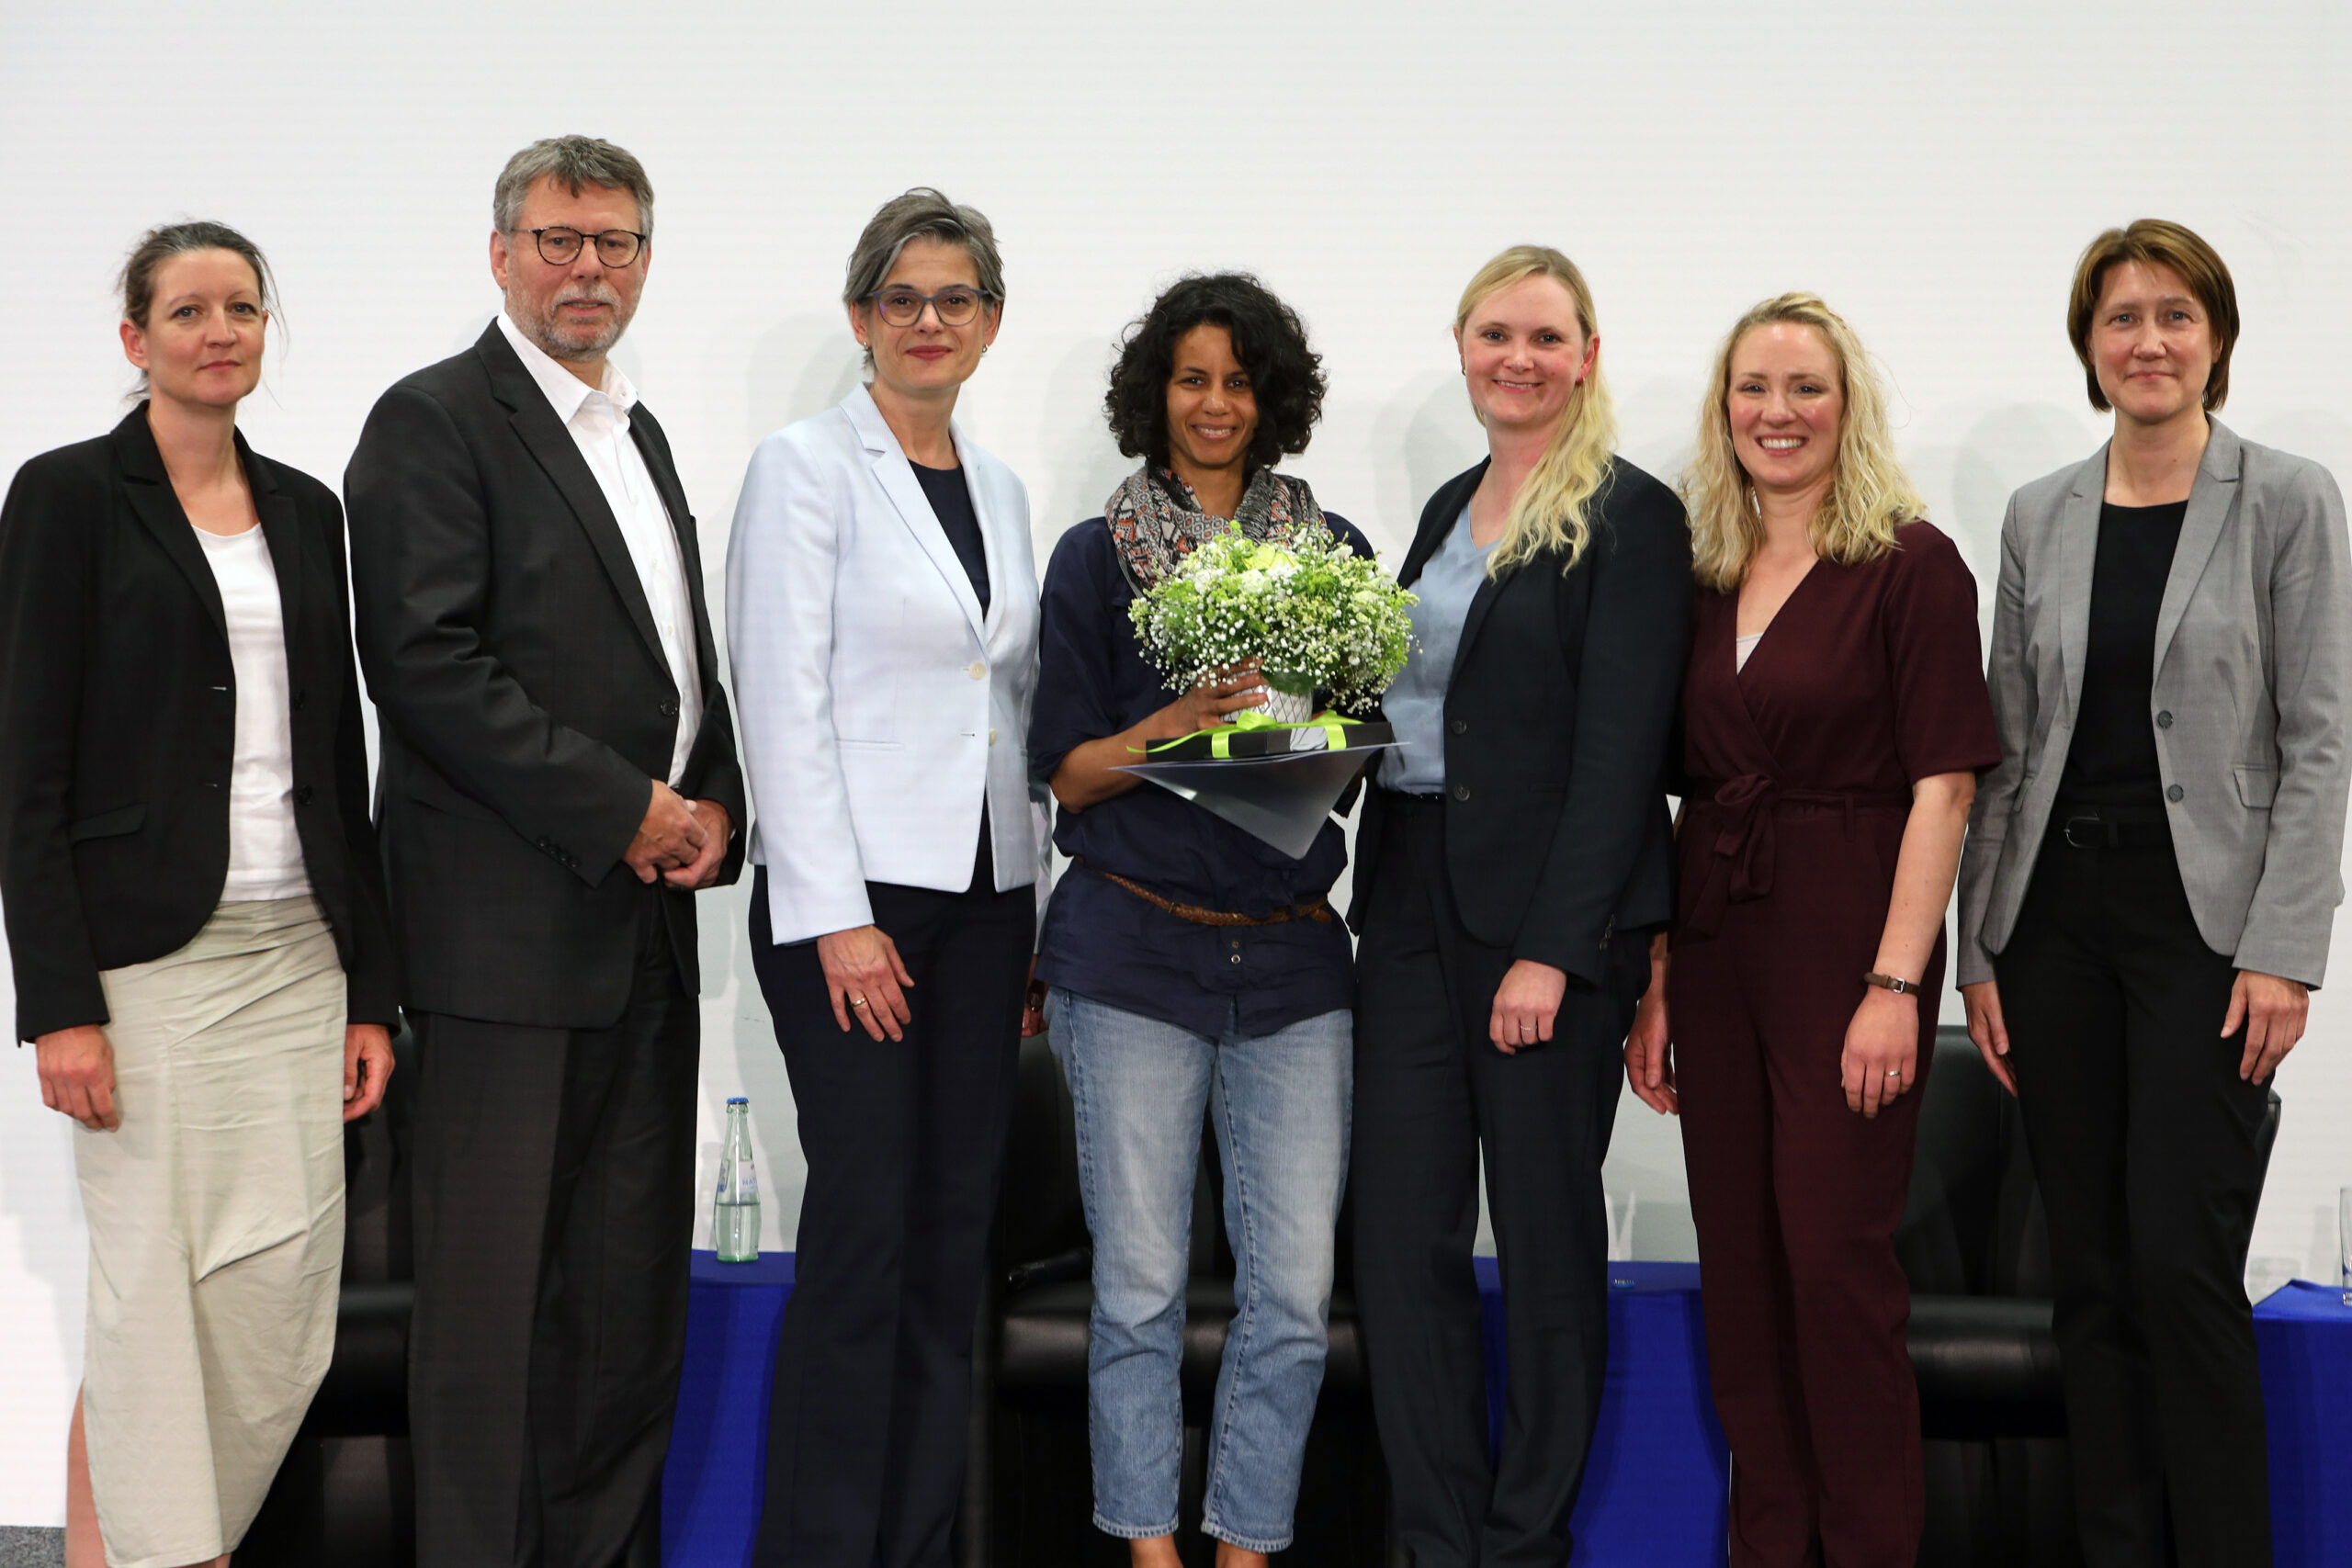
(1888,982)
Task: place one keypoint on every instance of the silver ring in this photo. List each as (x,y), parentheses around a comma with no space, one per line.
(1895,1072)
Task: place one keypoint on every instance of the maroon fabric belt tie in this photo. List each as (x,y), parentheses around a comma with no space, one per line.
(1737,815)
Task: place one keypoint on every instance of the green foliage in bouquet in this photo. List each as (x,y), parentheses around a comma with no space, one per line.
(1318,616)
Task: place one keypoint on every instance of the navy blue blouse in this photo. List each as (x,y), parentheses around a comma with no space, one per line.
(950,502)
(1101,941)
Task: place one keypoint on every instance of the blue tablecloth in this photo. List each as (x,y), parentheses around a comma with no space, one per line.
(1653,1494)
(2305,1333)
(718,1445)
(1657,1490)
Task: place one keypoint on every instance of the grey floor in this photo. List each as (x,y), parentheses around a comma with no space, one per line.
(24,1546)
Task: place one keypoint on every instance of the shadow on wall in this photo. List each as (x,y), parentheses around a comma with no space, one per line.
(1666,408)
(1422,437)
(2001,449)
(831,363)
(1083,466)
(466,335)
(1426,434)
(2324,438)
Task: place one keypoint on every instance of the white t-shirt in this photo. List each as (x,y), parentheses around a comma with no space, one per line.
(265,850)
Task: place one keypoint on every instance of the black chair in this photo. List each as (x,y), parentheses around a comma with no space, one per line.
(1975,1245)
(1029,1495)
(346,1494)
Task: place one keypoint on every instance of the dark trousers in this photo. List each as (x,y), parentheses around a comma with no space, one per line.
(554,1207)
(1432,1095)
(905,1143)
(1796,1200)
(2143,1142)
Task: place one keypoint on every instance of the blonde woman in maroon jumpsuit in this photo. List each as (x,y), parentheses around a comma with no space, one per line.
(1835,712)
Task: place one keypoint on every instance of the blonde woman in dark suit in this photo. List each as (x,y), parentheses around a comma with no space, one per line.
(1511,860)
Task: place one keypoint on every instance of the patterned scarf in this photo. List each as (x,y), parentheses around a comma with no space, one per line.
(1156,522)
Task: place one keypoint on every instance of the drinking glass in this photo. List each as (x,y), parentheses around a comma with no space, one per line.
(2344,1241)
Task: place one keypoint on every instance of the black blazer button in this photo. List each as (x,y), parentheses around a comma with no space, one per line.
(669,710)
(2175,793)
(1461,792)
(299,696)
(2164,719)
(302,795)
(1458,725)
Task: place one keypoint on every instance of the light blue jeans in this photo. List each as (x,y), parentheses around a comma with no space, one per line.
(1278,1104)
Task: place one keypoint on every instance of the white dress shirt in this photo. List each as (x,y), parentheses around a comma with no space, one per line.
(597,418)
(265,850)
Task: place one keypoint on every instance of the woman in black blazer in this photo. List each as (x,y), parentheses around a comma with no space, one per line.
(195,913)
(1510,861)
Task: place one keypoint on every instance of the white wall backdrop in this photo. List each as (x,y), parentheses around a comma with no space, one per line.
(1932,171)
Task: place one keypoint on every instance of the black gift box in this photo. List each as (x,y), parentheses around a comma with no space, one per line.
(1229,744)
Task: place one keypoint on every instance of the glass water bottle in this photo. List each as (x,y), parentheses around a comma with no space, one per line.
(735,1213)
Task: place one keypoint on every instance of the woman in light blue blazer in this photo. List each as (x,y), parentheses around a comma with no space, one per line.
(882,617)
(2149,881)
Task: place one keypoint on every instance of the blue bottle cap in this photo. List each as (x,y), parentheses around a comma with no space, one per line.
(737,1100)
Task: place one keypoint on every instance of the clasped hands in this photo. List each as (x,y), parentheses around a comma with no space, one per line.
(682,842)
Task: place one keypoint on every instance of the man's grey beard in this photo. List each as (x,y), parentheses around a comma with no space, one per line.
(560,341)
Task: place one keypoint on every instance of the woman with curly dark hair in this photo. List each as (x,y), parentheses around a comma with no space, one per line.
(1192,969)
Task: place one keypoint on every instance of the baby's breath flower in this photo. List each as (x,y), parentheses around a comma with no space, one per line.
(1318,616)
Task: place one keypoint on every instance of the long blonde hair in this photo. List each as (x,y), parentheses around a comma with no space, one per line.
(1870,495)
(1550,512)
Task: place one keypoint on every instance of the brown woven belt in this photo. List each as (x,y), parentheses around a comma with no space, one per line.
(1318,910)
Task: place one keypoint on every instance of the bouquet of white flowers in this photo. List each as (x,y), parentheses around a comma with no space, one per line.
(1316,615)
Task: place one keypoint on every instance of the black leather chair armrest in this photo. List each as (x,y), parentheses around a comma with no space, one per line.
(365,1390)
(1044,1339)
(1077,1263)
(1987,1367)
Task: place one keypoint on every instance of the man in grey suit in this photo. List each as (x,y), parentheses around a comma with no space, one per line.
(558,778)
(2149,883)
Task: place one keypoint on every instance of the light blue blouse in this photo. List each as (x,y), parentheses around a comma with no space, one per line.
(1414,705)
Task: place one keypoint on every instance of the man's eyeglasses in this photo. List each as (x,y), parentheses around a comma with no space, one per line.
(560,247)
(956,307)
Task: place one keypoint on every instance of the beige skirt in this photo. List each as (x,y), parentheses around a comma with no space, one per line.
(216,1228)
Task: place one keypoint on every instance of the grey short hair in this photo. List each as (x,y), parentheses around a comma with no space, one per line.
(572,162)
(921,214)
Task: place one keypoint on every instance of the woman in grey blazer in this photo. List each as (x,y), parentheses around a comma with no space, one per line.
(2149,881)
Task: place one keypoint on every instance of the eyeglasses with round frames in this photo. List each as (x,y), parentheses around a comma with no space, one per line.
(560,246)
(956,305)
